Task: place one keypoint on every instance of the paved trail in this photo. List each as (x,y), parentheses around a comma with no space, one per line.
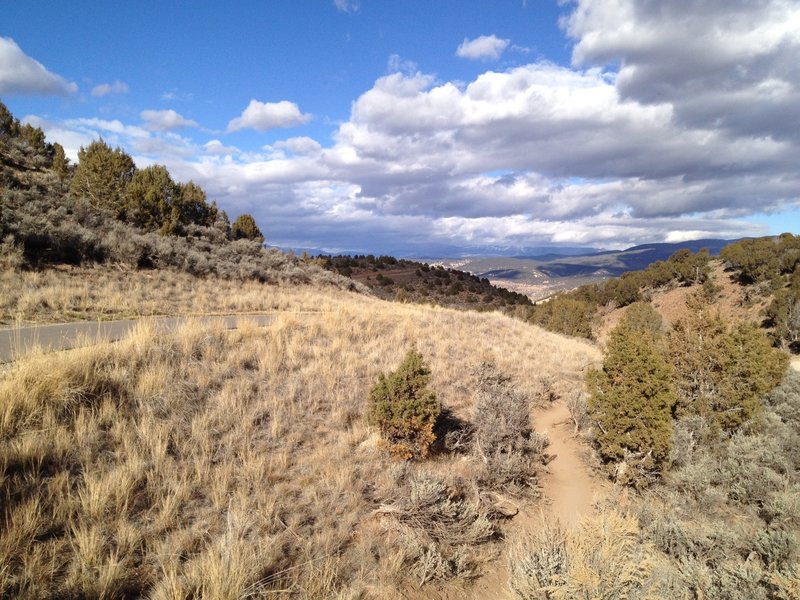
(18,341)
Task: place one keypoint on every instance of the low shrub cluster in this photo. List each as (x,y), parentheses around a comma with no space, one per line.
(504,441)
(604,559)
(405,409)
(443,519)
(723,523)
(441,522)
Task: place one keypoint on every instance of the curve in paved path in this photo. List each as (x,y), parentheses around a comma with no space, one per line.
(19,341)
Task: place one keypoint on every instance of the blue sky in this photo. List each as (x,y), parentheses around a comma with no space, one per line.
(435,127)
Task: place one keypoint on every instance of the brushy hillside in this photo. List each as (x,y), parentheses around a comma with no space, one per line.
(53,213)
(228,464)
(410,281)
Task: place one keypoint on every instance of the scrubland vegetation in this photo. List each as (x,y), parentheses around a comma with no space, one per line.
(223,464)
(106,211)
(410,281)
(356,448)
(722,524)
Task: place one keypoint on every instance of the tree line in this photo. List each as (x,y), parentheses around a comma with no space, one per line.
(108,178)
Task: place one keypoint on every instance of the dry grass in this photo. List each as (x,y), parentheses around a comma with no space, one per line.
(65,294)
(228,464)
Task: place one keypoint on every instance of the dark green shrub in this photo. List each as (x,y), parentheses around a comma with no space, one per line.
(405,409)
(721,371)
(631,403)
(244,227)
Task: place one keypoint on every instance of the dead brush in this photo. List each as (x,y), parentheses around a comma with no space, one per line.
(441,522)
(504,440)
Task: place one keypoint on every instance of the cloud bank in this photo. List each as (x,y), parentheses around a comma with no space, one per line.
(674,121)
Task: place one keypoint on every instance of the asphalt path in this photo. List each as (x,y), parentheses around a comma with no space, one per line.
(19,341)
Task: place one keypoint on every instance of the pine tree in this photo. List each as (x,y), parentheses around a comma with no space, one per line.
(631,404)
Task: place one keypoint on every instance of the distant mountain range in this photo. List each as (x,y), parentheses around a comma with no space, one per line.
(555,270)
(617,262)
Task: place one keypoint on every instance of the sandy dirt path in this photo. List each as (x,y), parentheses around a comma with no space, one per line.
(570,488)
(570,492)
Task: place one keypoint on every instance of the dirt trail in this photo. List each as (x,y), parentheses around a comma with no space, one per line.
(570,492)
(570,487)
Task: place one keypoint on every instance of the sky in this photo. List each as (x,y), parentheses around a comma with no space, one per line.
(435,127)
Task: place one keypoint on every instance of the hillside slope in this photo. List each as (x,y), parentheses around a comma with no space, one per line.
(225,463)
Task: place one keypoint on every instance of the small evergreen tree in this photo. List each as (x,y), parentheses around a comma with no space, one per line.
(721,372)
(9,126)
(244,227)
(631,404)
(60,162)
(102,175)
(405,409)
(193,207)
(150,199)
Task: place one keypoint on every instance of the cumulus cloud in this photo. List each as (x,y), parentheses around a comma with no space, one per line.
(263,116)
(104,89)
(21,74)
(485,47)
(216,147)
(165,120)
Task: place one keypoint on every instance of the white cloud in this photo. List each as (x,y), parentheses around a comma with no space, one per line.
(348,6)
(114,126)
(299,146)
(21,74)
(216,147)
(165,120)
(532,155)
(263,116)
(104,89)
(485,47)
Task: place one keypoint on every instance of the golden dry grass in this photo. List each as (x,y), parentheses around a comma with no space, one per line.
(63,294)
(228,464)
